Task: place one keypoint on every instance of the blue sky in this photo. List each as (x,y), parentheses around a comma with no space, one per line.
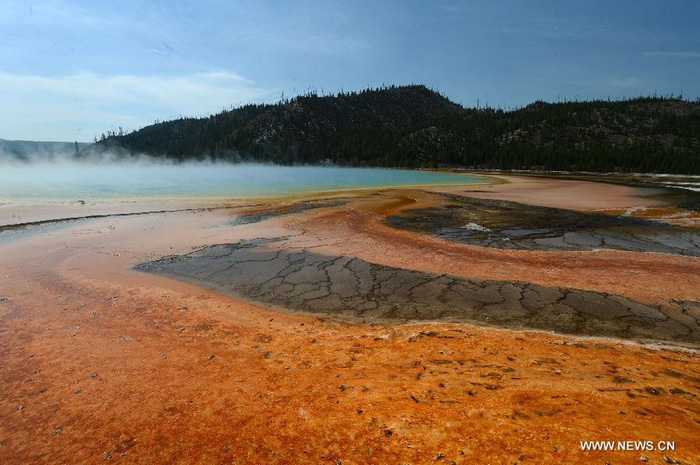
(70,70)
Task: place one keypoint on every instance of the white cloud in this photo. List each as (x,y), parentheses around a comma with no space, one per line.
(82,105)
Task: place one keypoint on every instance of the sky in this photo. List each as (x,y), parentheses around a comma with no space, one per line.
(71,70)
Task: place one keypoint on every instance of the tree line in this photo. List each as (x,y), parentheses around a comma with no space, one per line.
(413,126)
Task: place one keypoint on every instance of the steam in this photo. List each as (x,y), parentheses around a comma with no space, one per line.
(111,175)
(21,152)
(63,153)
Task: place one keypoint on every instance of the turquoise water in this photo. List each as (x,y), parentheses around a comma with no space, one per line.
(89,181)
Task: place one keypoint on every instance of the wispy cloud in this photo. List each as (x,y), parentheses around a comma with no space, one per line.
(631,83)
(82,105)
(567,30)
(674,54)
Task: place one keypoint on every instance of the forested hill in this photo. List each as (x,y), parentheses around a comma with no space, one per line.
(413,126)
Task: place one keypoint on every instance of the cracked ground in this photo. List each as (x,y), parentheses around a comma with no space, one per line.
(511,225)
(360,291)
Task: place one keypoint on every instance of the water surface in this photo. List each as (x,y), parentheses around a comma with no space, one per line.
(149,180)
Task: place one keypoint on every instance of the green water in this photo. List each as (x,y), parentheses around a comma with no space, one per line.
(96,181)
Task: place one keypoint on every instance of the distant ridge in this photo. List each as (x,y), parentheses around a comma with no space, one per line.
(26,150)
(413,126)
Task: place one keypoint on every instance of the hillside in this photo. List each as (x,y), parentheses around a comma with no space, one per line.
(413,126)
